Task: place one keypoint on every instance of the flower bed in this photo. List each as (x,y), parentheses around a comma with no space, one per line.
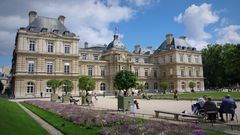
(112,123)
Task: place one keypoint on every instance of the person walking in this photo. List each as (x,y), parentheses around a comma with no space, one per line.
(175,95)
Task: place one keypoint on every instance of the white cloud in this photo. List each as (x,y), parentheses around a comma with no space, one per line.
(198,44)
(196,19)
(143,2)
(229,34)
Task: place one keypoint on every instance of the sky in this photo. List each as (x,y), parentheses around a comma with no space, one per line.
(144,22)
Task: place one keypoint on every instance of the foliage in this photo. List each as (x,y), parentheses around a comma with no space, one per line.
(86,83)
(54,84)
(67,85)
(192,85)
(125,80)
(140,87)
(15,121)
(1,86)
(221,65)
(164,86)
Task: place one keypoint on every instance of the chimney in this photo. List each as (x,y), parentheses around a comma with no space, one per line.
(61,18)
(137,48)
(86,45)
(169,38)
(32,16)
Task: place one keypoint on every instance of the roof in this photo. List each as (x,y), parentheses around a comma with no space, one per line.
(116,44)
(98,47)
(46,24)
(177,43)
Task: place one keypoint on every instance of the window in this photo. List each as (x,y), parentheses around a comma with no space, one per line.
(155,73)
(95,57)
(30,66)
(183,85)
(189,71)
(146,61)
(197,72)
(189,59)
(49,67)
(182,72)
(90,71)
(172,86)
(155,86)
(164,74)
(146,72)
(66,68)
(146,86)
(102,87)
(136,60)
(102,71)
(181,57)
(30,87)
(136,71)
(84,56)
(171,71)
(171,59)
(164,61)
(49,89)
(198,85)
(50,46)
(196,59)
(67,49)
(32,45)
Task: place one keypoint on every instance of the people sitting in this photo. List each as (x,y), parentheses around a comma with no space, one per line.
(198,107)
(228,105)
(210,108)
(72,100)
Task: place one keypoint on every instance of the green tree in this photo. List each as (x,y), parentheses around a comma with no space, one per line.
(54,84)
(1,87)
(67,85)
(140,87)
(86,83)
(164,86)
(192,85)
(125,80)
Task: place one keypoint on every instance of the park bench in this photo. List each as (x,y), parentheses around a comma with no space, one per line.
(176,115)
(74,101)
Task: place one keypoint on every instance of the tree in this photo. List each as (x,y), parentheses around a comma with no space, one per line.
(125,80)
(192,85)
(86,83)
(54,84)
(67,86)
(1,87)
(140,87)
(164,86)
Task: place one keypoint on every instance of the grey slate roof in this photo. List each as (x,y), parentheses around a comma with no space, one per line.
(177,43)
(98,47)
(46,24)
(116,44)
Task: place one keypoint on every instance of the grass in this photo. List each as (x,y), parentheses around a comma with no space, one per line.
(194,96)
(60,123)
(15,121)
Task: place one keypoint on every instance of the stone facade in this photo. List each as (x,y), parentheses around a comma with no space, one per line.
(46,50)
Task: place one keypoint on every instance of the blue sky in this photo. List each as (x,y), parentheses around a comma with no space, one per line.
(144,22)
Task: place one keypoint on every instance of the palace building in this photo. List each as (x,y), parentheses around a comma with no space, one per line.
(46,49)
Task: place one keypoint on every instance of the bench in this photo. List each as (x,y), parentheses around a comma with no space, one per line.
(74,101)
(176,115)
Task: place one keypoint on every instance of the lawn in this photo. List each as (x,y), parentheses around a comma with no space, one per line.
(15,121)
(60,123)
(194,96)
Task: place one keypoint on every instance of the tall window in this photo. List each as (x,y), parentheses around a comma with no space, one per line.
(155,86)
(90,71)
(164,74)
(49,67)
(189,71)
(146,86)
(30,87)
(189,59)
(198,85)
(67,49)
(136,60)
(32,45)
(95,57)
(66,68)
(181,57)
(172,86)
(84,56)
(102,86)
(197,72)
(146,60)
(155,73)
(102,71)
(48,89)
(50,46)
(171,60)
(183,85)
(171,71)
(196,59)
(30,66)
(136,71)
(182,72)
(146,72)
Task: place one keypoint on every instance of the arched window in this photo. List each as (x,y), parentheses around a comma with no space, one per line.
(198,85)
(146,86)
(172,86)
(183,85)
(102,86)
(155,86)
(30,87)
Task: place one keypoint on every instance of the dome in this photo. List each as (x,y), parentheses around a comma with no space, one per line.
(115,44)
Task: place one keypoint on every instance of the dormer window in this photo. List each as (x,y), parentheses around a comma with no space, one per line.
(183,47)
(66,33)
(31,28)
(44,30)
(55,31)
